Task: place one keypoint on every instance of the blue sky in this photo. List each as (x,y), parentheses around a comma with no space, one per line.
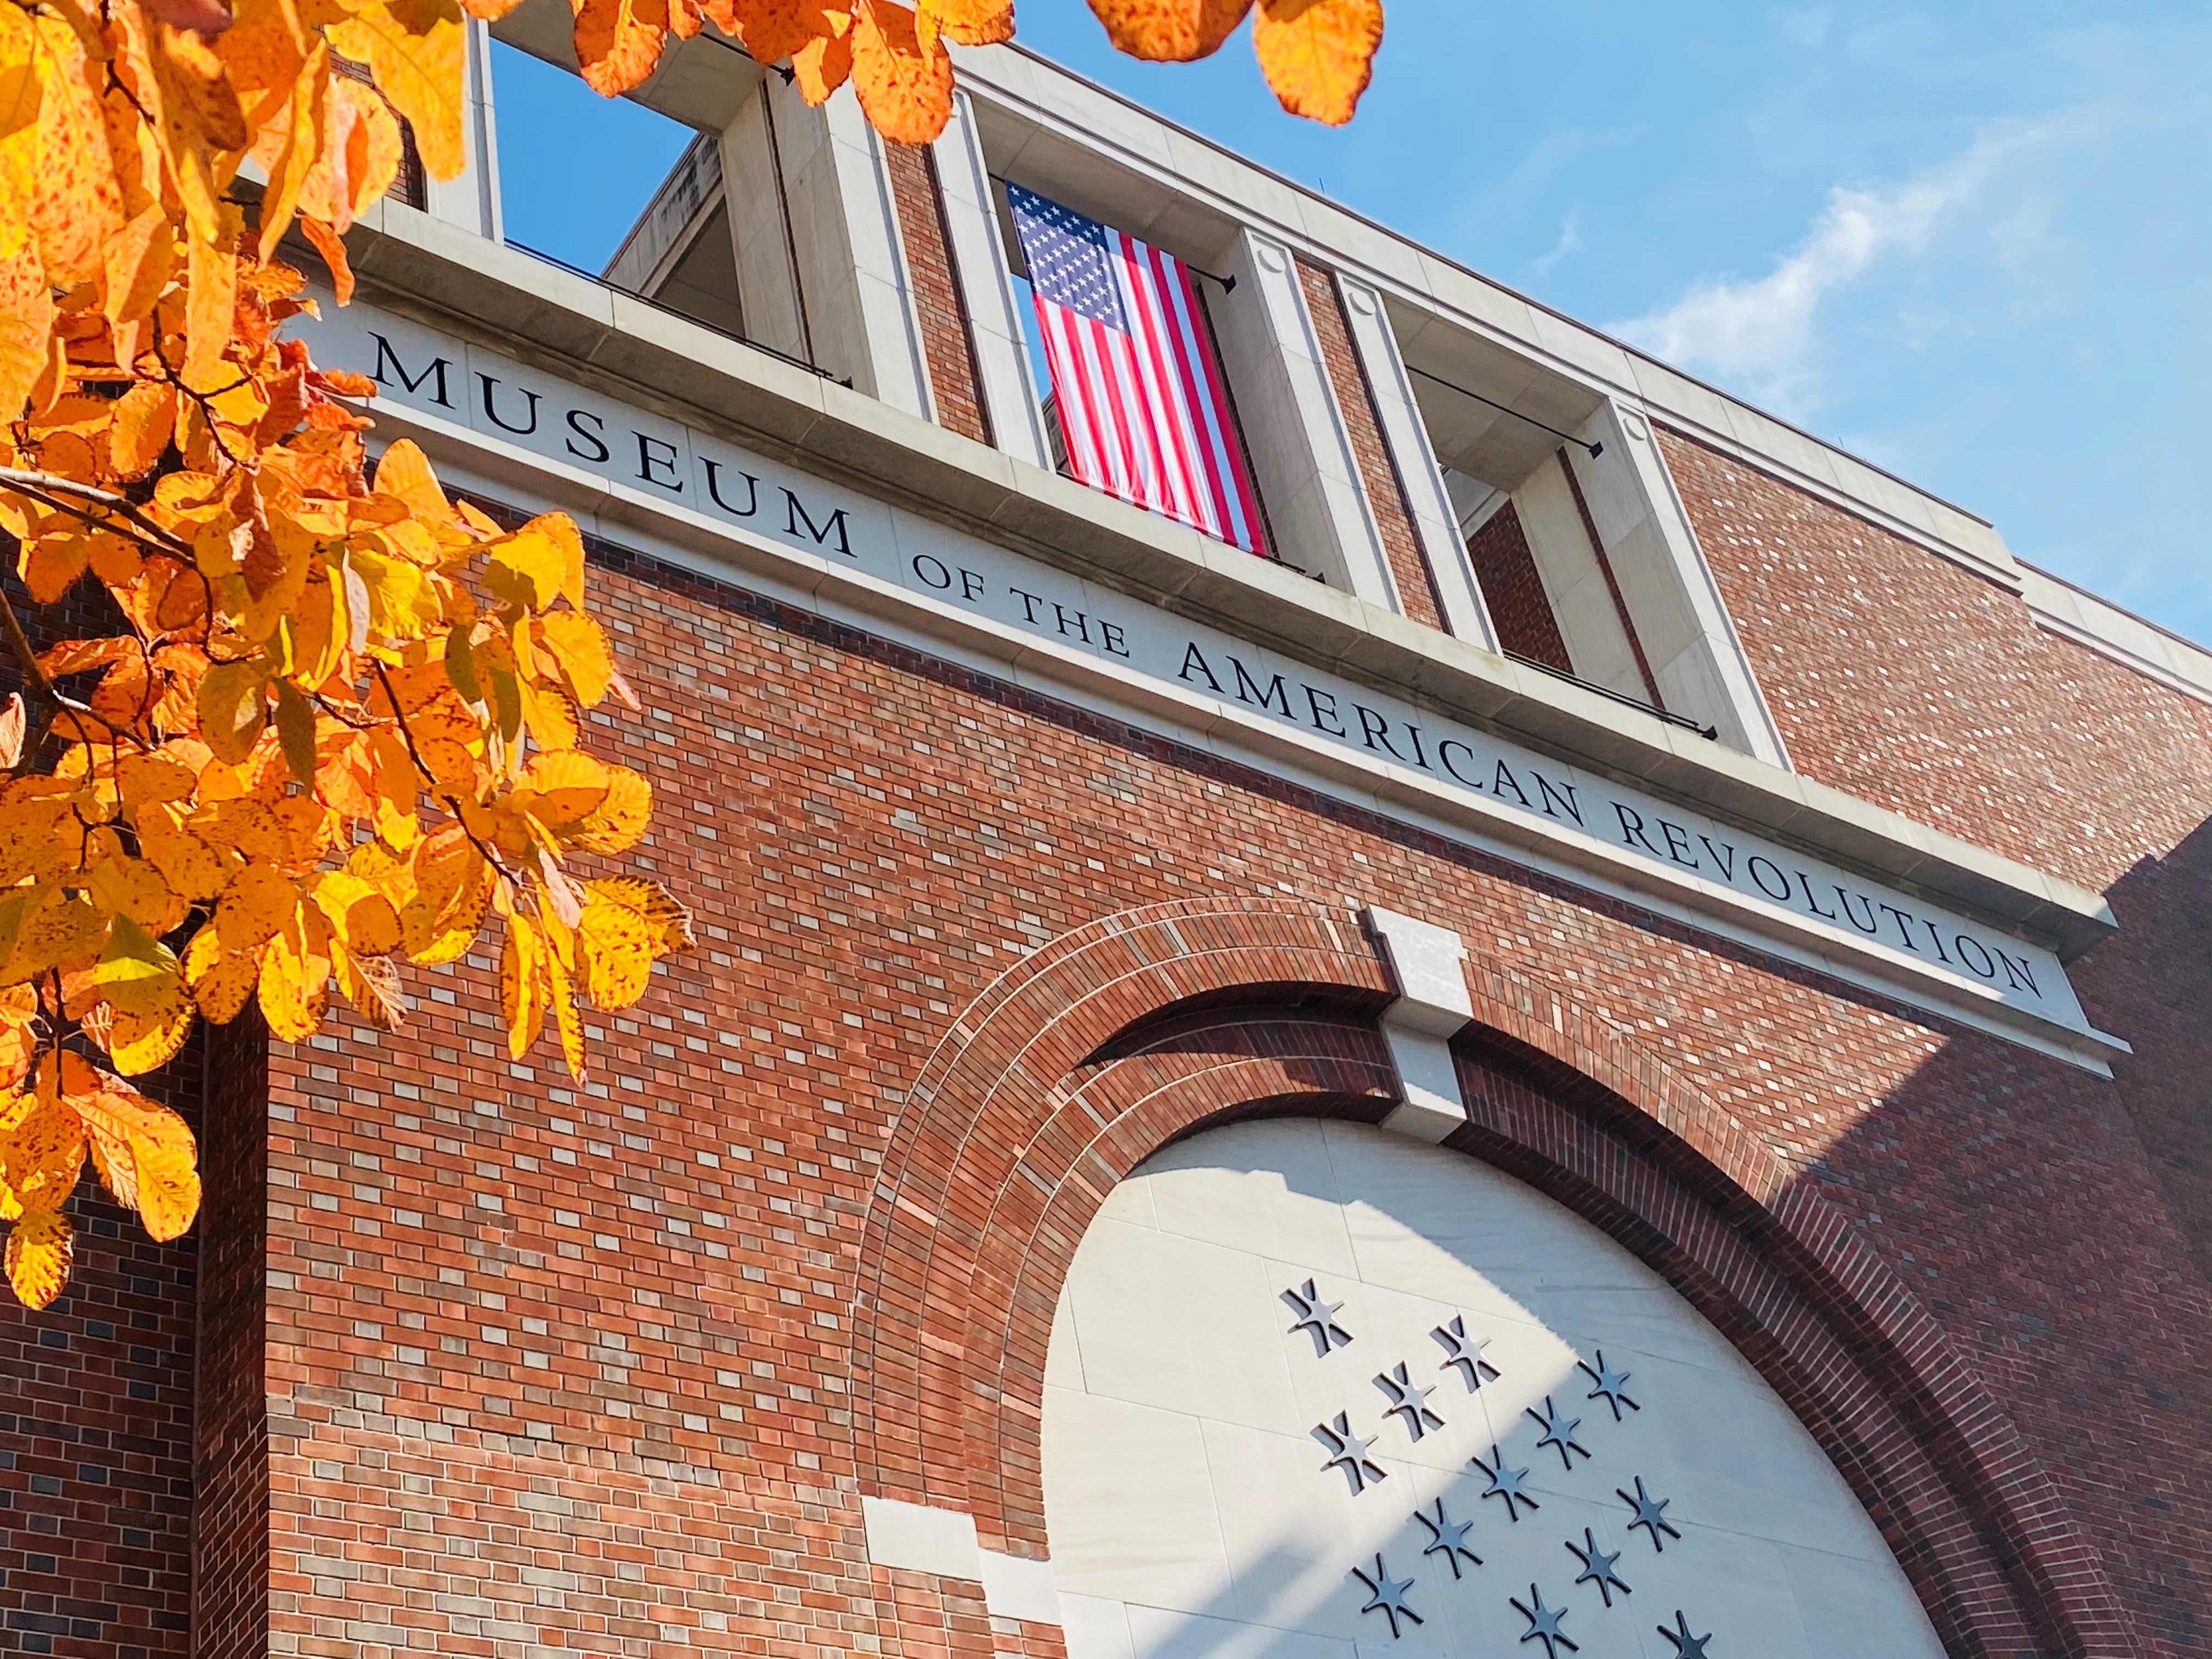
(1972,243)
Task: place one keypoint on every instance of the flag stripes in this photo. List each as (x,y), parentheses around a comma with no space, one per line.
(1140,397)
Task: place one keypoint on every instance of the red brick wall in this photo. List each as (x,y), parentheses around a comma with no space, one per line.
(951,352)
(1385,495)
(1923,687)
(577,1361)
(96,1438)
(607,1328)
(1519,609)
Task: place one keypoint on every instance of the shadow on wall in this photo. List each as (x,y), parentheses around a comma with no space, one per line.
(2059,1227)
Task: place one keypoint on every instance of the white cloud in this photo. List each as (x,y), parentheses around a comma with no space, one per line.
(1762,333)
(1570,240)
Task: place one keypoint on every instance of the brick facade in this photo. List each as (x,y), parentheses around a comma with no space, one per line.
(516,1362)
(1378,472)
(954,380)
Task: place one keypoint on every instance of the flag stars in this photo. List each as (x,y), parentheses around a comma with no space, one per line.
(1609,1385)
(1686,1646)
(1505,1482)
(1544,1625)
(1348,1452)
(1317,1318)
(1651,1514)
(1447,1538)
(1464,1351)
(1387,1595)
(1597,1567)
(1409,1401)
(1559,1431)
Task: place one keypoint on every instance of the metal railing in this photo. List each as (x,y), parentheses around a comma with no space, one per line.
(559,263)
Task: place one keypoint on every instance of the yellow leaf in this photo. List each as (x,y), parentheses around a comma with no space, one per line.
(618,42)
(414,49)
(543,559)
(168,1188)
(20,93)
(53,928)
(522,985)
(904,85)
(19,1034)
(258,900)
(39,1257)
(295,971)
(566,1019)
(1169,31)
(404,471)
(578,646)
(192,869)
(626,926)
(360,157)
(621,820)
(232,708)
(1318,55)
(145,983)
(361,917)
(76,206)
(221,979)
(135,888)
(210,312)
(42,1153)
(295,731)
(560,788)
(32,811)
(452,888)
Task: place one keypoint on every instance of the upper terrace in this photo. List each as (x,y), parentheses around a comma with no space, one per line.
(1466,502)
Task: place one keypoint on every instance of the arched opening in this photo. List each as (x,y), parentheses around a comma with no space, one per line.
(1283,1344)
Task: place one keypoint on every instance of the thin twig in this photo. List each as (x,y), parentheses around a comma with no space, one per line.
(22,478)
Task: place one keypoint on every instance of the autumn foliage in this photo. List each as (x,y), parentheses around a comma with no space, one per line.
(332,727)
(1315,54)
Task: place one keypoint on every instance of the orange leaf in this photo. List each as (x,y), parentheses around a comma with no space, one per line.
(774,30)
(618,42)
(905,87)
(211,308)
(39,1257)
(1169,31)
(822,65)
(1318,55)
(967,22)
(50,565)
(26,317)
(145,416)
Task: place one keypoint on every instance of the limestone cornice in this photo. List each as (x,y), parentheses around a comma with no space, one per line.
(654,360)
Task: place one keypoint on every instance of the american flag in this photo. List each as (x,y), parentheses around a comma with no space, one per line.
(1139,394)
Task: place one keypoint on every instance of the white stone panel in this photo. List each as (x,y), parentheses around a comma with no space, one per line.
(1201,1516)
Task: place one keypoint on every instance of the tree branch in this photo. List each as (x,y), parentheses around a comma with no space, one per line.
(44,483)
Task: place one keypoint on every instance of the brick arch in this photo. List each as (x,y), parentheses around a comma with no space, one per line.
(982,1197)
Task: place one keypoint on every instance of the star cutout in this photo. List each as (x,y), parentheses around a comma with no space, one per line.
(1651,1514)
(1463,1350)
(1544,1622)
(1597,1567)
(1686,1646)
(1348,1451)
(1387,1595)
(1559,1431)
(1317,1319)
(1505,1482)
(1409,1401)
(1609,1386)
(1447,1537)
